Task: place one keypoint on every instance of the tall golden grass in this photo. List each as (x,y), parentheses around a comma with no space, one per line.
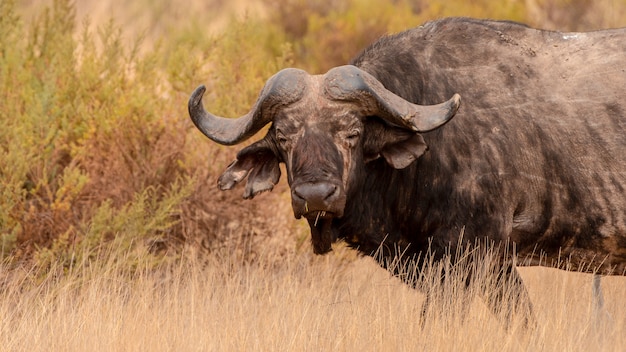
(297,303)
(114,238)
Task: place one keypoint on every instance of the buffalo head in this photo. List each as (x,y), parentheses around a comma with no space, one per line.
(325,128)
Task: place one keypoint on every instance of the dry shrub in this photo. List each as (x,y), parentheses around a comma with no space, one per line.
(219,222)
(577,15)
(99,155)
(329,33)
(293,16)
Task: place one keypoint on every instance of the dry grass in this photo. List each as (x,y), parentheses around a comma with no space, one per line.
(296,303)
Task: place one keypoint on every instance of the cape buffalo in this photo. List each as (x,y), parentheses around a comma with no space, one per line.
(534,157)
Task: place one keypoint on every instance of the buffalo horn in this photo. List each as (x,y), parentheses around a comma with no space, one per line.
(349,83)
(284,88)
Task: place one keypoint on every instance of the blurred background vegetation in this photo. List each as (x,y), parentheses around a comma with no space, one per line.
(97,154)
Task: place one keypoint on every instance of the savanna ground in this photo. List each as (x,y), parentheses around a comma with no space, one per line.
(114,237)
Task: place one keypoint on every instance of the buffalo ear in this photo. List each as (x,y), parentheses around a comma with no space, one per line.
(403,153)
(259,163)
(398,146)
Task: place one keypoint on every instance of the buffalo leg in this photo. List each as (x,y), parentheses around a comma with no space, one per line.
(601,319)
(508,296)
(462,313)
(598,296)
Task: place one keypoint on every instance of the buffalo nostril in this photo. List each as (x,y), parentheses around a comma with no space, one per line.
(316,195)
(332,192)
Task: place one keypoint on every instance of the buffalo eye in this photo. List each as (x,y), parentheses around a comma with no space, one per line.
(282,140)
(352,137)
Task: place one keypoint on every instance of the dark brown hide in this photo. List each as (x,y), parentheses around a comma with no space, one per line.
(535,157)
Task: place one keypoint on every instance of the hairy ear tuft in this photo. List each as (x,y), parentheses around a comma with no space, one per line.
(263,177)
(232,176)
(259,163)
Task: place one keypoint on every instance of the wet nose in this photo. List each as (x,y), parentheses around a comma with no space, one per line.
(315,196)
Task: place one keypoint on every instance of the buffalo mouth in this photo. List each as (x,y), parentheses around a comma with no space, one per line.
(322,234)
(320,202)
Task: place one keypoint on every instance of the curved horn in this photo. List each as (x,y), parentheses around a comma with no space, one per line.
(284,88)
(350,83)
